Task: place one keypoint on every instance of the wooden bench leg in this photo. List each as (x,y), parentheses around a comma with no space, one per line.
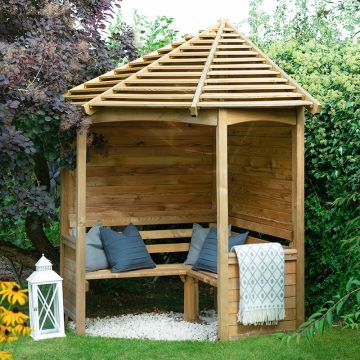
(215,299)
(191,299)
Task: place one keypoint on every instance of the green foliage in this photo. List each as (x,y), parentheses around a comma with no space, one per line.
(52,231)
(14,232)
(46,47)
(335,344)
(316,43)
(152,35)
(324,316)
(322,21)
(122,39)
(330,73)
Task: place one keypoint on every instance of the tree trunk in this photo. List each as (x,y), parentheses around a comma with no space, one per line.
(26,257)
(34,225)
(41,169)
(35,232)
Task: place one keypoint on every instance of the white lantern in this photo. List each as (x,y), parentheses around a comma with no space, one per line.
(45,302)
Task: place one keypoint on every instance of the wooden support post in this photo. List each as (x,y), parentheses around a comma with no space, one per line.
(298,212)
(222,225)
(215,298)
(191,299)
(64,213)
(80,230)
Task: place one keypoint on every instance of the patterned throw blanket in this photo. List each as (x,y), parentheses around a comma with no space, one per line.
(261,268)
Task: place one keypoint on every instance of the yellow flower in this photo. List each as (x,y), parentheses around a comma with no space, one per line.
(12,317)
(7,334)
(4,355)
(22,329)
(12,292)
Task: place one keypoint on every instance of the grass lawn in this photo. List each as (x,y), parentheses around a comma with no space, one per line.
(166,294)
(334,344)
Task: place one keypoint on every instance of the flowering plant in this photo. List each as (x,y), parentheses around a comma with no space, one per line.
(13,322)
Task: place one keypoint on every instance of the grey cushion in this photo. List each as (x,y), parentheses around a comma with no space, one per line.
(208,255)
(198,237)
(237,240)
(125,251)
(95,254)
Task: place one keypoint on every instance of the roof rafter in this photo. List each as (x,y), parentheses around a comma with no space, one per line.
(199,88)
(217,68)
(88,105)
(316,107)
(98,85)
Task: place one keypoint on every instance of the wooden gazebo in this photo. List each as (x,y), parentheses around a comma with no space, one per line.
(209,130)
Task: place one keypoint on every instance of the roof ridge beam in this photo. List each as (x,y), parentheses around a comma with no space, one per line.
(201,83)
(95,101)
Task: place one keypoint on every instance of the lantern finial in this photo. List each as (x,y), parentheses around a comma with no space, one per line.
(43,264)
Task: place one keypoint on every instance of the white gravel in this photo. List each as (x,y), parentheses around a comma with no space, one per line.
(153,326)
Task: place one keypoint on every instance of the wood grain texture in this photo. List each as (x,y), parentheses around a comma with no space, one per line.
(214,56)
(222,224)
(298,203)
(80,230)
(205,70)
(64,212)
(150,170)
(260,195)
(191,299)
(237,330)
(159,270)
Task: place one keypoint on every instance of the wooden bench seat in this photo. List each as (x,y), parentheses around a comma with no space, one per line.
(203,276)
(159,270)
(171,240)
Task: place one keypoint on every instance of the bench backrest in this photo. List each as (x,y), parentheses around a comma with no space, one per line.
(176,234)
(164,238)
(167,234)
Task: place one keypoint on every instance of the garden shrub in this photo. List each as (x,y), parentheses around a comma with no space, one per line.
(332,156)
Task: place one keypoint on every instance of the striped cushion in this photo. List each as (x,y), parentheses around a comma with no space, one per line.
(125,251)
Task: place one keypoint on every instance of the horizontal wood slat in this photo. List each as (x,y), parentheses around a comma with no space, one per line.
(290,303)
(152,218)
(225,58)
(162,248)
(290,291)
(159,270)
(165,234)
(238,331)
(262,204)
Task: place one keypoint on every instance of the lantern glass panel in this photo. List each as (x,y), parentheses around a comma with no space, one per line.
(48,308)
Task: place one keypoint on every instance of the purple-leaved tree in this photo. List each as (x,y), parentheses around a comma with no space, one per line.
(45,48)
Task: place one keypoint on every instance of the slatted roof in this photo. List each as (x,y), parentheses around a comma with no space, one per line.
(217,68)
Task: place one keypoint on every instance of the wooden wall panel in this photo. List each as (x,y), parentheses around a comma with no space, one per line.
(260,177)
(237,330)
(67,254)
(151,172)
(69,281)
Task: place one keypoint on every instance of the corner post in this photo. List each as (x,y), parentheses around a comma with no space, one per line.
(80,230)
(298,216)
(222,225)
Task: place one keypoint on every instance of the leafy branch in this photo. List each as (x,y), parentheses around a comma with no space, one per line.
(317,322)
